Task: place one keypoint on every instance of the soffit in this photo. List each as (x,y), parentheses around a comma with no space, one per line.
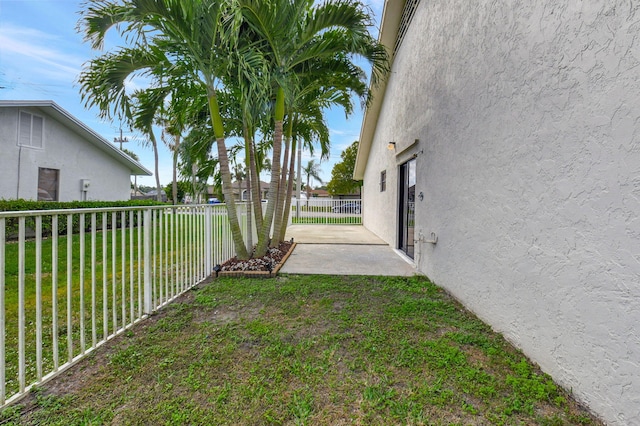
(396,18)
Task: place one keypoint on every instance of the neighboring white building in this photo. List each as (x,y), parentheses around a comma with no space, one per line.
(516,130)
(47,154)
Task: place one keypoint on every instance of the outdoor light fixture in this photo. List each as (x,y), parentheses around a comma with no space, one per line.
(391,146)
(217,269)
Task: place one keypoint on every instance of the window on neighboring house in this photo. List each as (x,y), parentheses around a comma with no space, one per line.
(30,130)
(48,181)
(383,181)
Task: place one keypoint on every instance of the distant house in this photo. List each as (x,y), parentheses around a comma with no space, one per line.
(319,193)
(351,196)
(503,157)
(48,155)
(240,190)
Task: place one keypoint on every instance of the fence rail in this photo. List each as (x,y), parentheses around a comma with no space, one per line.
(70,280)
(316,211)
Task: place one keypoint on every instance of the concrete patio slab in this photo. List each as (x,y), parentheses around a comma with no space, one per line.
(347,259)
(332,234)
(343,250)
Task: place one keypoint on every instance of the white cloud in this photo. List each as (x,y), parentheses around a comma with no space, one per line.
(35,53)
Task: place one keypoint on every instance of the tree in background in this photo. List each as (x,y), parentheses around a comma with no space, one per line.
(182,188)
(311,171)
(342,181)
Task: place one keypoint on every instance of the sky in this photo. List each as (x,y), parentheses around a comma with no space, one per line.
(42,54)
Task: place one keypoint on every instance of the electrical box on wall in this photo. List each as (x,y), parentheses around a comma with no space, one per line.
(85,184)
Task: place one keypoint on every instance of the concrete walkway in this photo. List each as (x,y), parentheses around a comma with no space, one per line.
(343,250)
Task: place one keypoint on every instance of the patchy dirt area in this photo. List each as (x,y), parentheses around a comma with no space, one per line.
(304,350)
(81,374)
(267,262)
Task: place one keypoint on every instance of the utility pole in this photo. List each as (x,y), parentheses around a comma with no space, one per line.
(120,140)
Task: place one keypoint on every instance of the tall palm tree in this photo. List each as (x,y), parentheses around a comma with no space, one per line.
(199,33)
(307,129)
(311,171)
(261,49)
(142,115)
(103,85)
(322,84)
(134,156)
(291,35)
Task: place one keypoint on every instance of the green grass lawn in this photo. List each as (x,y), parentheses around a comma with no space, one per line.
(122,296)
(305,350)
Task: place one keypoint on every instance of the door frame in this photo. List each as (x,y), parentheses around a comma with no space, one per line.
(406,206)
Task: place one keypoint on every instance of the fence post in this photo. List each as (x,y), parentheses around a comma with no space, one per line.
(146,229)
(208,242)
(3,391)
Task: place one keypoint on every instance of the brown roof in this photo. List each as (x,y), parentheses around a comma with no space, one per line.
(319,193)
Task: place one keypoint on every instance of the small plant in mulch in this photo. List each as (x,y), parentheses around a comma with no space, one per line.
(268,262)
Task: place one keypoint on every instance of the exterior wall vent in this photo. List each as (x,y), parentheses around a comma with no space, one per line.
(408,11)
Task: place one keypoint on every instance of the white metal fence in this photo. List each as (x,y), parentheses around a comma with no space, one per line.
(70,280)
(326,211)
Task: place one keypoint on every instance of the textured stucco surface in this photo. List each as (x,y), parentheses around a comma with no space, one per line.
(528,120)
(64,150)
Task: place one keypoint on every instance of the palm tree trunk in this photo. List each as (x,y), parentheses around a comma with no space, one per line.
(287,206)
(225,175)
(263,238)
(249,221)
(250,185)
(308,189)
(174,185)
(255,179)
(154,143)
(299,181)
(282,191)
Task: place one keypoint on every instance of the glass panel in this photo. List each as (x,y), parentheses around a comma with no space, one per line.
(407,207)
(48,184)
(24,129)
(36,131)
(30,130)
(411,206)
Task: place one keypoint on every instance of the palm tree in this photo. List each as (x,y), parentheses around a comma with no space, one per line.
(311,171)
(306,130)
(325,83)
(141,117)
(199,33)
(103,86)
(292,35)
(134,156)
(261,49)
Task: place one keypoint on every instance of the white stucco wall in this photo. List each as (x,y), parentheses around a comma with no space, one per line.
(64,150)
(528,116)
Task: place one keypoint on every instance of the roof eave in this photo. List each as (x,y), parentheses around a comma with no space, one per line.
(135,167)
(391,18)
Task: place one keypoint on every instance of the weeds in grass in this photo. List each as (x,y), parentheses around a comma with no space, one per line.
(308,350)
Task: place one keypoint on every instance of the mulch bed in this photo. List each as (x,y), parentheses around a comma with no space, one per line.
(267,265)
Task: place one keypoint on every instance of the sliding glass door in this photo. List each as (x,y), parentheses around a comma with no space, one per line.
(406,206)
